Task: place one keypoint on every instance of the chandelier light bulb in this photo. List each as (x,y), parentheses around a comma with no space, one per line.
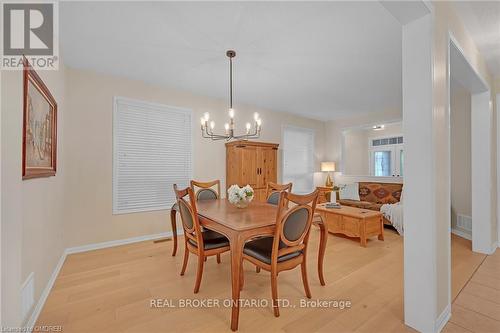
(252,129)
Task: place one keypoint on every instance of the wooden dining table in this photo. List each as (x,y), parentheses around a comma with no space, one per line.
(240,225)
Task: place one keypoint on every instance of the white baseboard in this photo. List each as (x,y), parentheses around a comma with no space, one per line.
(103,245)
(442,319)
(78,249)
(462,233)
(45,293)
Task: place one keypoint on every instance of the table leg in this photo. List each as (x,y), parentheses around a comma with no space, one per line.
(322,248)
(236,255)
(362,234)
(381,235)
(173,214)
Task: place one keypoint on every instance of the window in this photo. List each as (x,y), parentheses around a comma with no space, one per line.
(298,158)
(151,152)
(386,156)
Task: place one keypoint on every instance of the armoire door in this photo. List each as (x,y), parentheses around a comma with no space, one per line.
(248,166)
(266,165)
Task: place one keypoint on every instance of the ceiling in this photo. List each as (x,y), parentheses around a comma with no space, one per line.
(322,60)
(482,21)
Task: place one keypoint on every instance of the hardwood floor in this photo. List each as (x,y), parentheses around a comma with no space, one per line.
(477,307)
(110,290)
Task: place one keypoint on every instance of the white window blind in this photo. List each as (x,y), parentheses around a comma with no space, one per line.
(298,158)
(151,151)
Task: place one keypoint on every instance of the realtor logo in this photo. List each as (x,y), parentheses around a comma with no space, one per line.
(30,30)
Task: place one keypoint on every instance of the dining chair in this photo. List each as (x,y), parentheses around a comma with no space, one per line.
(273,191)
(203,243)
(288,247)
(205,190)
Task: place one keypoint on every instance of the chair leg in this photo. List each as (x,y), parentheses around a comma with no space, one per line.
(257,269)
(199,273)
(218,258)
(205,259)
(274,291)
(304,279)
(186,257)
(242,277)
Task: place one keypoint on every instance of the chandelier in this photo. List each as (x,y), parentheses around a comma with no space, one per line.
(207,129)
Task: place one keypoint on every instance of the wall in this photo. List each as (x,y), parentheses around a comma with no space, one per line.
(460,117)
(32,222)
(356,142)
(334,130)
(355,152)
(446,21)
(88,211)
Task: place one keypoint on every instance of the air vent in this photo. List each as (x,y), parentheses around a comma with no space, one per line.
(464,222)
(387,141)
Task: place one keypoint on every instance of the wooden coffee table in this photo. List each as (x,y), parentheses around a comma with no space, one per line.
(353,222)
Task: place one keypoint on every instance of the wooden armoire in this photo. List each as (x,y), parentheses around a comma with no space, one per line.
(252,163)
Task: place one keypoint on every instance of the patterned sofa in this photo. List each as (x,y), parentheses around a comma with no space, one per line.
(373,195)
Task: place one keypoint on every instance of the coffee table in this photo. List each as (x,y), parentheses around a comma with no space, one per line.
(353,222)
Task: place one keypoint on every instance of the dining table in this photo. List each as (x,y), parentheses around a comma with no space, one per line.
(240,225)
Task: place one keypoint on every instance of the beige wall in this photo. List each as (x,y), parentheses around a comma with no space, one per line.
(460,117)
(32,222)
(335,128)
(445,21)
(88,160)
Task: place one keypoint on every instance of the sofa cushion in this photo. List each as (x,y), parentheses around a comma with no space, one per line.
(380,193)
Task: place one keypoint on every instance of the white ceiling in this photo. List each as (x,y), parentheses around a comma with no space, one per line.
(322,60)
(482,21)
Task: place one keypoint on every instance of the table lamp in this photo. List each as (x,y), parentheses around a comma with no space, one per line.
(328,167)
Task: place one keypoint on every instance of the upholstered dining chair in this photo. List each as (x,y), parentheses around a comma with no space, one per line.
(203,243)
(288,247)
(205,191)
(273,191)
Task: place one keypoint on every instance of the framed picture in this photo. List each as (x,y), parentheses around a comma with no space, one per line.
(39,127)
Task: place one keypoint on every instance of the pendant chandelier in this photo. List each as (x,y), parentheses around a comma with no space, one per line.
(207,129)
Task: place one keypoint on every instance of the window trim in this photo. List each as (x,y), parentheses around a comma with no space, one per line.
(305,129)
(147,104)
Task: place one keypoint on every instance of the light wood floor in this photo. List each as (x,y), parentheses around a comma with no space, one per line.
(477,307)
(110,290)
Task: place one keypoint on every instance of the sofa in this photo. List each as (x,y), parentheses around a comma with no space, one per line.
(373,195)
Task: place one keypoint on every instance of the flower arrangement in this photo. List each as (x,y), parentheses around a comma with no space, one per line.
(240,197)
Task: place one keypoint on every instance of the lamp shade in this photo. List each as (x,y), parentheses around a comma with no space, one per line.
(327,166)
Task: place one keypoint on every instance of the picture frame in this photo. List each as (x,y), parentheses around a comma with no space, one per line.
(39,127)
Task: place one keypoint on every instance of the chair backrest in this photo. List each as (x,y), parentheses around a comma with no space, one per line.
(205,190)
(273,191)
(293,224)
(189,214)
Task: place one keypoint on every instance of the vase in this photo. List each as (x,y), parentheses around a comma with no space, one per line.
(242,204)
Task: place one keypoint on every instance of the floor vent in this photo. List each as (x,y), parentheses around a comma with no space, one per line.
(28,295)
(464,222)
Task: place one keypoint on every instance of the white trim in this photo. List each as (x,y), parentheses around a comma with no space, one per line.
(442,319)
(467,234)
(118,242)
(341,179)
(78,249)
(45,293)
